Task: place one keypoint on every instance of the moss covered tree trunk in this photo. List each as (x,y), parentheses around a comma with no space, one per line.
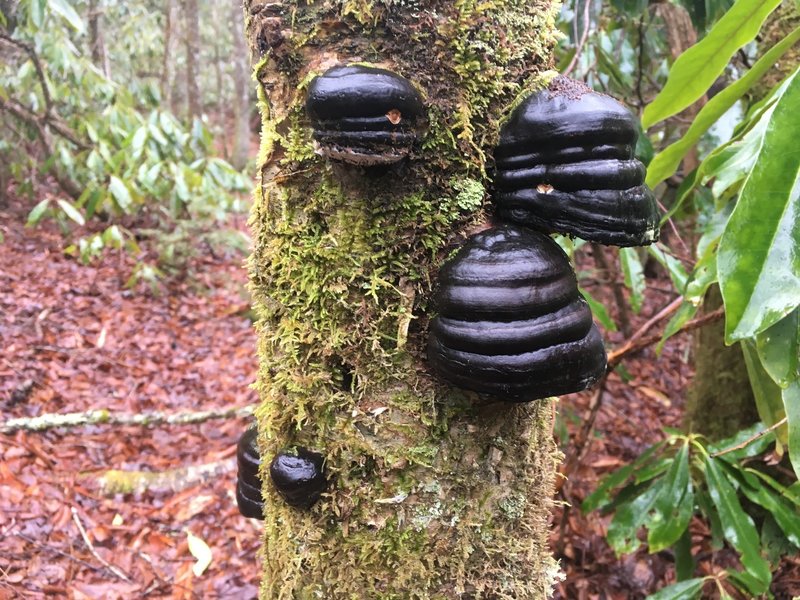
(434,493)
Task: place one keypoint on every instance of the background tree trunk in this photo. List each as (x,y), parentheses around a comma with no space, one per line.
(192,21)
(241,95)
(720,400)
(97,43)
(166,64)
(434,493)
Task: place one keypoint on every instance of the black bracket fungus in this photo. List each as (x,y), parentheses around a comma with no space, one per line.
(364,116)
(565,165)
(299,477)
(248,484)
(511,321)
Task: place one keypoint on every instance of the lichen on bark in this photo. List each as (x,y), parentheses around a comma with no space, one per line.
(435,493)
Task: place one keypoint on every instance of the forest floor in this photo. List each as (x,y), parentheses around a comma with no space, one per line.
(75,339)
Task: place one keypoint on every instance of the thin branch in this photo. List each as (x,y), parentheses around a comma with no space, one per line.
(103,417)
(640,67)
(615,357)
(48,548)
(665,312)
(580,443)
(37,64)
(584,37)
(752,438)
(114,569)
(599,256)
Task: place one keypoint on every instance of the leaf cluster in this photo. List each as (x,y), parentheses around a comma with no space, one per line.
(685,476)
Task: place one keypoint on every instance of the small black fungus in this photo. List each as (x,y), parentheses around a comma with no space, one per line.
(299,477)
(511,322)
(565,164)
(248,485)
(364,115)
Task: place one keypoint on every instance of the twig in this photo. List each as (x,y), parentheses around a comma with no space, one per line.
(616,287)
(115,570)
(30,540)
(580,443)
(668,310)
(103,417)
(640,68)
(752,438)
(615,357)
(584,37)
(37,64)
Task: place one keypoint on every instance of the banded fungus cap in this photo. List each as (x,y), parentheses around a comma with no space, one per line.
(565,164)
(359,91)
(511,321)
(364,116)
(248,486)
(299,477)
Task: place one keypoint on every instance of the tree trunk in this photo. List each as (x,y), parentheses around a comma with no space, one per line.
(167,97)
(720,400)
(192,21)
(97,44)
(241,92)
(434,494)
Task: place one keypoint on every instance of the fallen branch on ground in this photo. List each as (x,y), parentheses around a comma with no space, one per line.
(172,481)
(104,417)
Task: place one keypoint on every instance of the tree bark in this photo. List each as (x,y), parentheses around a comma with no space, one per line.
(192,21)
(434,493)
(166,64)
(97,45)
(241,92)
(720,401)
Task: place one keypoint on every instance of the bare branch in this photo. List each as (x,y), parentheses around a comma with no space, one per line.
(103,417)
(615,357)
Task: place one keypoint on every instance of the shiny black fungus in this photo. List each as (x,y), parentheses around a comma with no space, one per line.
(364,115)
(565,164)
(511,322)
(248,484)
(299,477)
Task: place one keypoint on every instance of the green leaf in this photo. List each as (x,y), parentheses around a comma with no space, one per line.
(599,311)
(666,162)
(121,194)
(782,511)
(673,266)
(737,526)
(634,276)
(675,505)
(759,253)
(72,212)
(684,590)
(683,315)
(779,349)
(630,516)
(791,404)
(769,402)
(706,506)
(684,561)
(791,493)
(64,8)
(601,495)
(696,69)
(37,8)
(37,212)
